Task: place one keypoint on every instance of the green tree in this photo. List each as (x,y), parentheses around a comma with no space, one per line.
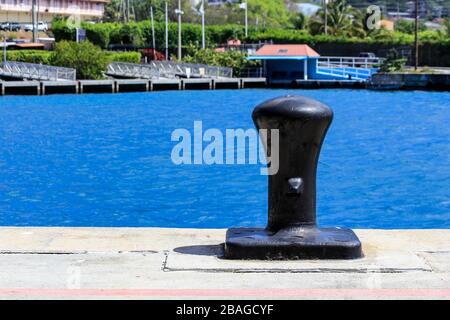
(447,27)
(342,18)
(265,13)
(113,11)
(300,21)
(406,26)
(89,60)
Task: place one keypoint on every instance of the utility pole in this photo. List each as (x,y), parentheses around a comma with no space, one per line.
(128,11)
(179,12)
(167,31)
(4,49)
(202,11)
(326,15)
(33,19)
(416,37)
(244,5)
(246,18)
(153,33)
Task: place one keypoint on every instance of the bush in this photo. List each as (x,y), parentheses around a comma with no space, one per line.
(130,57)
(89,60)
(99,34)
(393,63)
(62,31)
(231,59)
(129,33)
(140,33)
(30,56)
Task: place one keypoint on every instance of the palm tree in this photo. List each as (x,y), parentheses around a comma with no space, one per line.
(343,20)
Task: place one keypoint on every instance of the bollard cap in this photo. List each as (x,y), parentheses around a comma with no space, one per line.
(293,106)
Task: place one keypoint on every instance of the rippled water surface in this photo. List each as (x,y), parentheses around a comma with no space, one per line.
(104,160)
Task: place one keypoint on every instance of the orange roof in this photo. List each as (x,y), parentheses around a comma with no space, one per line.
(286,50)
(29,45)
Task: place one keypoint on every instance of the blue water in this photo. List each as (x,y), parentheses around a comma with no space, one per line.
(104,160)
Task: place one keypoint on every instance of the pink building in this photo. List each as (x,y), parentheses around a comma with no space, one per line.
(20,10)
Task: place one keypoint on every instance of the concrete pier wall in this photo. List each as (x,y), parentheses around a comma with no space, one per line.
(410,81)
(197,84)
(395,81)
(124,85)
(56,87)
(20,88)
(97,86)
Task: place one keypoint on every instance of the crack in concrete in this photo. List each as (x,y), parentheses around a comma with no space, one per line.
(164,264)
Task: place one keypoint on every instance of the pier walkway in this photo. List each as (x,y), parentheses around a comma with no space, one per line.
(166,70)
(347,67)
(140,263)
(33,71)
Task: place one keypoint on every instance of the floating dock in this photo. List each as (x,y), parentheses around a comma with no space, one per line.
(126,85)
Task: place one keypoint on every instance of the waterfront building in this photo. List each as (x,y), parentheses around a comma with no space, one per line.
(288,63)
(20,10)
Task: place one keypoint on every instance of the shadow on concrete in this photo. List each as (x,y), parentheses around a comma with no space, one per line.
(202,250)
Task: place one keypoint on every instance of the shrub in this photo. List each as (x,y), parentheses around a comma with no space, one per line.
(99,34)
(89,60)
(62,30)
(30,56)
(129,33)
(231,59)
(393,63)
(130,57)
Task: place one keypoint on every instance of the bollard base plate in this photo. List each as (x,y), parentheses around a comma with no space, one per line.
(292,243)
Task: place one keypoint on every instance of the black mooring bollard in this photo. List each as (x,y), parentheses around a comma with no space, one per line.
(292,232)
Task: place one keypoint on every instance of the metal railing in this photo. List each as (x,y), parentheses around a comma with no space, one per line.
(32,71)
(167,69)
(132,70)
(255,72)
(348,67)
(352,62)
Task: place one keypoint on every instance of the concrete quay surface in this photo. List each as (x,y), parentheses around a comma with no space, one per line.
(155,263)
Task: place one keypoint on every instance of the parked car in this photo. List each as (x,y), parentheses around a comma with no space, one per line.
(10,26)
(367,55)
(41,26)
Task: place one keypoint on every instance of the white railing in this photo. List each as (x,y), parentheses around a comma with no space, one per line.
(348,67)
(32,71)
(132,70)
(167,69)
(352,62)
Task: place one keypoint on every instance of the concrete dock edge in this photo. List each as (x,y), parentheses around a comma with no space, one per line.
(186,263)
